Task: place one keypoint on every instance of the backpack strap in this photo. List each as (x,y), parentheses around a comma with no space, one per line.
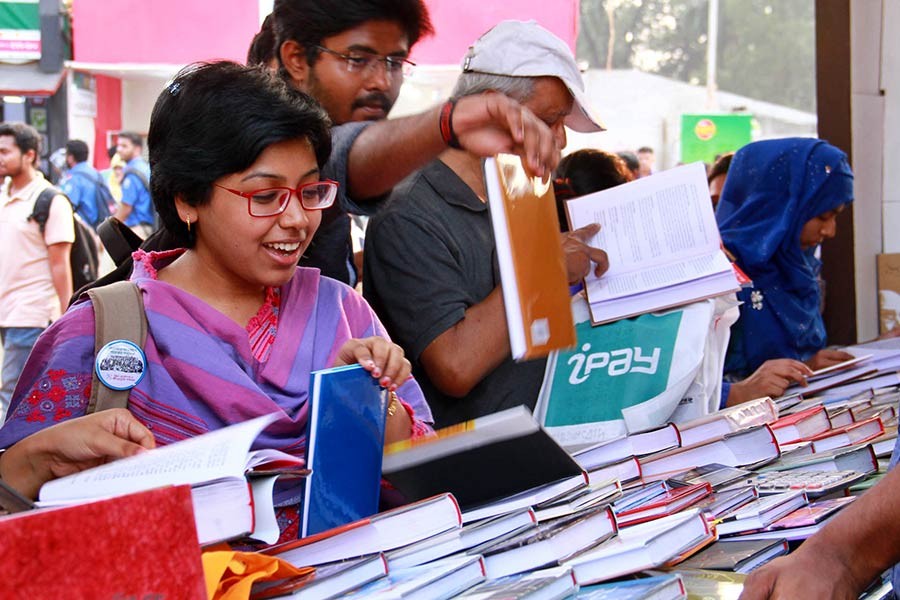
(118,315)
(120,241)
(140,175)
(41,211)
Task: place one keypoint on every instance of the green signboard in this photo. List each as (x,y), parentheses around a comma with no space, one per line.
(20,30)
(704,137)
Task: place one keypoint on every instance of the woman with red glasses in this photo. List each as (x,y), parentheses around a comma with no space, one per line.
(234,326)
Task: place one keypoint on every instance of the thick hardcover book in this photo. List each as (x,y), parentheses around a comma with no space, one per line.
(740,556)
(480,460)
(531,259)
(662,240)
(384,531)
(327,581)
(661,587)
(550,543)
(345,443)
(215,464)
(642,547)
(141,545)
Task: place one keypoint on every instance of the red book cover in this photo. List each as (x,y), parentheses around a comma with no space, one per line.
(141,545)
(671,502)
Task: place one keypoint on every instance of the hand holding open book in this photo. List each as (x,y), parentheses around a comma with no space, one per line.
(662,240)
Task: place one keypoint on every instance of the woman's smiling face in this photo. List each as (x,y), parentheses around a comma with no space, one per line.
(256,252)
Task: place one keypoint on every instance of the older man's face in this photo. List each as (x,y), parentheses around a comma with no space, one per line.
(551,102)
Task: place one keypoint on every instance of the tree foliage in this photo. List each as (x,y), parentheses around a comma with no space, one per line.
(766,48)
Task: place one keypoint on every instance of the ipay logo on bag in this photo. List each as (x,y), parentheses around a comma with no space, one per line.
(616,362)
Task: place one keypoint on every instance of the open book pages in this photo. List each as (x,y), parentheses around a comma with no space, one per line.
(209,457)
(662,240)
(214,464)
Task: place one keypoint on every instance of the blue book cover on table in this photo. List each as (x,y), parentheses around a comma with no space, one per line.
(345,443)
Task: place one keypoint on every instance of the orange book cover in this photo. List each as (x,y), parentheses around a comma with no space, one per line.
(532,264)
(141,545)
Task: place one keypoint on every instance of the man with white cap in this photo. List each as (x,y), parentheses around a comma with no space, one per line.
(430,266)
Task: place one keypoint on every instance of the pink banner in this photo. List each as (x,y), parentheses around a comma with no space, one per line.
(163,31)
(183,31)
(458,23)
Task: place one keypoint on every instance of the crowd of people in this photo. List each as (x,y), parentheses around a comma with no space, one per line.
(254,170)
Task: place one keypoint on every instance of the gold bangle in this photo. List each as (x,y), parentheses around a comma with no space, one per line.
(393,404)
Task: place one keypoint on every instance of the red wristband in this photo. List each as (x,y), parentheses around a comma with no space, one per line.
(446,124)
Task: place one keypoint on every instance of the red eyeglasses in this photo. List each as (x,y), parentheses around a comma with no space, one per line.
(269,202)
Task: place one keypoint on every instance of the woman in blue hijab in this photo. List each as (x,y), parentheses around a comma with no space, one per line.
(780,201)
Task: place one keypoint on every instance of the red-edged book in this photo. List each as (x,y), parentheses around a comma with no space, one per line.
(142,545)
(855,433)
(669,503)
(379,533)
(802,425)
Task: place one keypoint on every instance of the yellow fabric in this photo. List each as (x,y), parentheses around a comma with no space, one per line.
(230,574)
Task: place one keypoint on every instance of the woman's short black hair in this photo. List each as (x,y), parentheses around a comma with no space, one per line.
(215,119)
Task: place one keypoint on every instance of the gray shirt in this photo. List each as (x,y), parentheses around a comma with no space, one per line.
(429,256)
(331,250)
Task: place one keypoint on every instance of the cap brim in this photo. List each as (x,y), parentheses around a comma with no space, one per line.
(582,118)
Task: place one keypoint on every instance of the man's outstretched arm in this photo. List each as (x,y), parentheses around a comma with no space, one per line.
(485,124)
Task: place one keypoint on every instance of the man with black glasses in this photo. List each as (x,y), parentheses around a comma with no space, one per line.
(351,55)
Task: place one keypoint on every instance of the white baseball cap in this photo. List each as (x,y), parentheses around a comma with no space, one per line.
(525,49)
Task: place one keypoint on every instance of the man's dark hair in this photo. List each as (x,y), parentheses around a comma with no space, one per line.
(645,150)
(308,22)
(215,119)
(262,48)
(631,160)
(134,138)
(721,166)
(78,149)
(111,151)
(26,137)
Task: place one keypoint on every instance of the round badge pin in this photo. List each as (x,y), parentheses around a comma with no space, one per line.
(120,365)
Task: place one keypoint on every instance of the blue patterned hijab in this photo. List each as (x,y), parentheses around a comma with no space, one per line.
(773,189)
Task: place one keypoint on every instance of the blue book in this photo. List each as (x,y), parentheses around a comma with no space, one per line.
(345,443)
(663,587)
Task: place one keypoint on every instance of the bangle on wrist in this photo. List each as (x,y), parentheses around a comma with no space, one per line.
(446,124)
(393,403)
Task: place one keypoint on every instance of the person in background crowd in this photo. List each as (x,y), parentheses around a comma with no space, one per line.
(631,161)
(588,171)
(112,175)
(585,172)
(136,208)
(717,175)
(352,56)
(780,201)
(234,326)
(646,161)
(263,48)
(81,184)
(430,258)
(35,275)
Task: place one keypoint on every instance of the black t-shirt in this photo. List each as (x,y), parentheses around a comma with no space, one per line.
(331,250)
(429,255)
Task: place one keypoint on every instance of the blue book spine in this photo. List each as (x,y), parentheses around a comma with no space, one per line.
(345,444)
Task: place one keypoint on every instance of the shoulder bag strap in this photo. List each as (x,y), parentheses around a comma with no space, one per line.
(118,315)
